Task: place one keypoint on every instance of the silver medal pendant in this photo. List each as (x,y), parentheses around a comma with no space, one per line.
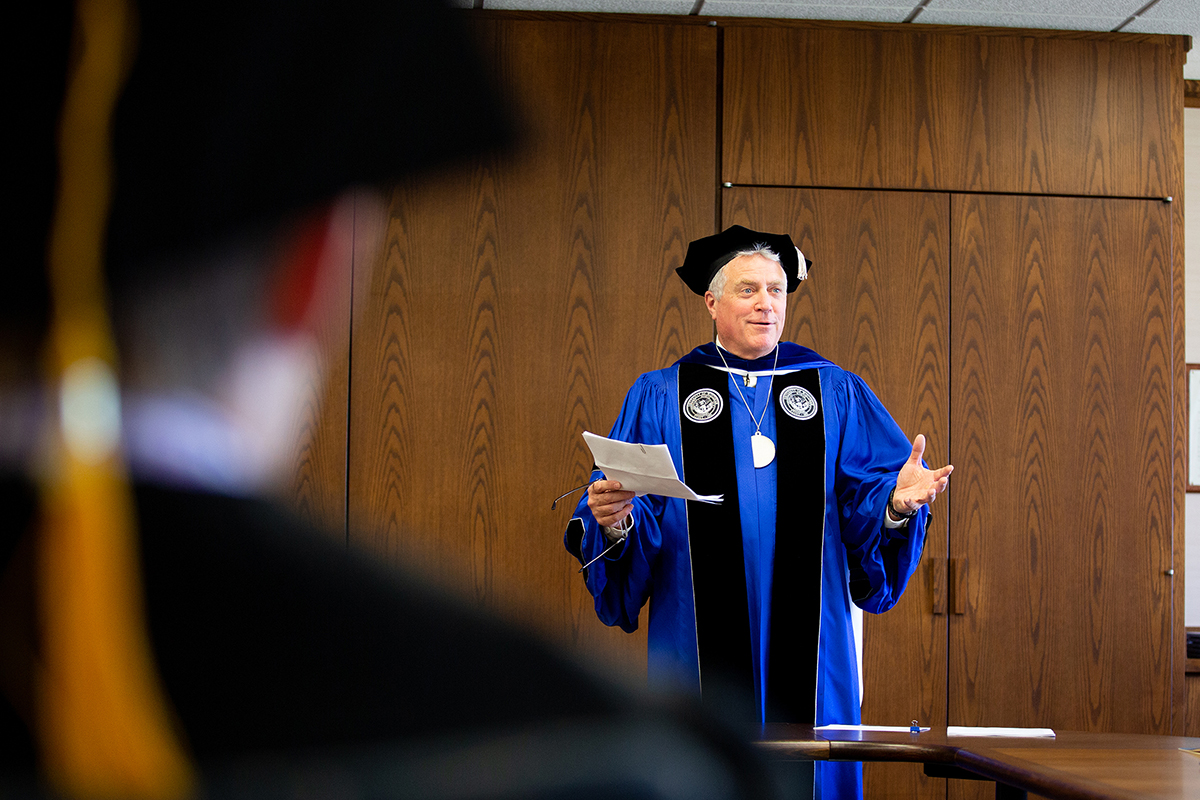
(763,449)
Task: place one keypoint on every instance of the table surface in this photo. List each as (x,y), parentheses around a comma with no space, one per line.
(1105,766)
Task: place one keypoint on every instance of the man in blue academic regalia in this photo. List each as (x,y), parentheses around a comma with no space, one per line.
(824,505)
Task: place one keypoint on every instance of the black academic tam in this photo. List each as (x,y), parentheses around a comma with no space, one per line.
(706,256)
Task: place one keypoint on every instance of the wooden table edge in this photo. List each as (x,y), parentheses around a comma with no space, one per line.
(795,751)
(986,758)
(1037,778)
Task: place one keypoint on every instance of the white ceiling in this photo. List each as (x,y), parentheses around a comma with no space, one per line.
(1134,16)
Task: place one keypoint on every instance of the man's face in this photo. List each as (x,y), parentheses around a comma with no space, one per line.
(749,313)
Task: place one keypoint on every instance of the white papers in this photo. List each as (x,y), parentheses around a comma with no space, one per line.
(953,730)
(961,730)
(641,468)
(884,728)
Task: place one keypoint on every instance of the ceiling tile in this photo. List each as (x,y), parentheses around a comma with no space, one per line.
(1154,25)
(1057,8)
(907,5)
(1174,9)
(878,12)
(938,16)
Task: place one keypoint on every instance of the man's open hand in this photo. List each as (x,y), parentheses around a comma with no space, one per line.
(917,486)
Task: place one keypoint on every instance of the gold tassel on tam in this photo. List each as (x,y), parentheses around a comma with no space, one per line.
(103,724)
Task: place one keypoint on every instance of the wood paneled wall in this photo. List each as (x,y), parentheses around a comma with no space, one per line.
(514,301)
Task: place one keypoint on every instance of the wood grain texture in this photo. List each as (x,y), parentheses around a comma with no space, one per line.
(913,108)
(1191,726)
(1062,438)
(877,304)
(1180,416)
(1069,766)
(516,301)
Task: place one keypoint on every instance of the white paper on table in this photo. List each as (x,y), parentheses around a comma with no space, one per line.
(962,730)
(884,728)
(641,468)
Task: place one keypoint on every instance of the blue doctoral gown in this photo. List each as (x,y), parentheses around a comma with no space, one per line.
(863,454)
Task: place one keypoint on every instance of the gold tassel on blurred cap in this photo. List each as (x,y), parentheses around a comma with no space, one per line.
(103,724)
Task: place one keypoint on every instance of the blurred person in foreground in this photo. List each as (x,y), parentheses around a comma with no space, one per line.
(165,631)
(824,508)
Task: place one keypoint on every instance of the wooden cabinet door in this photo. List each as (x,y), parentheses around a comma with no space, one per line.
(1061,435)
(877,304)
(931,108)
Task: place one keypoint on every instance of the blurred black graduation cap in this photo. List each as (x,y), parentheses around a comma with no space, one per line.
(237,114)
(706,256)
(35,73)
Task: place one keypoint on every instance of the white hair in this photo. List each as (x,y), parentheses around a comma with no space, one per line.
(717,284)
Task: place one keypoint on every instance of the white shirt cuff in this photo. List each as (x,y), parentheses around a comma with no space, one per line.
(618,531)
